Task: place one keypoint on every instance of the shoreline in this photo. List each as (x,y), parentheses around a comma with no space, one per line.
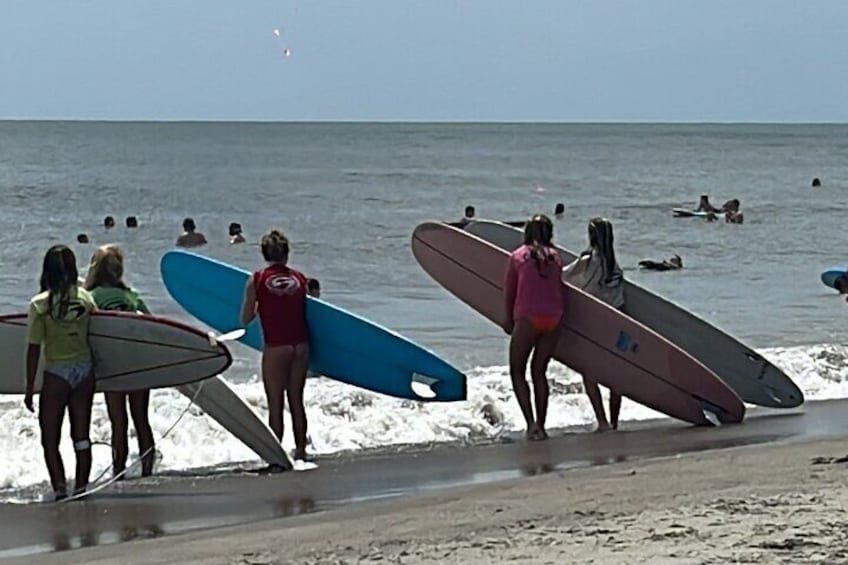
(765,503)
(174,509)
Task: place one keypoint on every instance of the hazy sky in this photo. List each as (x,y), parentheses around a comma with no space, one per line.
(538,60)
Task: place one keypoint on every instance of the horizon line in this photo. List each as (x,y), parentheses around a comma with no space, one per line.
(413,121)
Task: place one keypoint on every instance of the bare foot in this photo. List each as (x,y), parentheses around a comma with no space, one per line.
(537,434)
(602,428)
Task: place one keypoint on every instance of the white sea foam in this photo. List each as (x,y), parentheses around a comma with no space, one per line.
(342,418)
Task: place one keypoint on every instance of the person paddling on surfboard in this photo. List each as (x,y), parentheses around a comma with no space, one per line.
(533,297)
(672,264)
(596,272)
(105,282)
(705,206)
(57,323)
(278,294)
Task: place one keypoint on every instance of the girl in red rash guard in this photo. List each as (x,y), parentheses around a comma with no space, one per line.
(278,294)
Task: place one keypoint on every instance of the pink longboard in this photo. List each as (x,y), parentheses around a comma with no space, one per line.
(597,340)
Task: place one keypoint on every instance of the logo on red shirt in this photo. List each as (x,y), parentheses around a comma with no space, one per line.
(282,284)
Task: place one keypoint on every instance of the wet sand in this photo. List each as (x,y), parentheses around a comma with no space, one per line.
(475,503)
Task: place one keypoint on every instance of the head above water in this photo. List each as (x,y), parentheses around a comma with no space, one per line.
(235,228)
(559,209)
(676,261)
(108,222)
(469,211)
(82,238)
(816,181)
(841,284)
(58,276)
(188,225)
(106,268)
(275,247)
(539,231)
(132,222)
(313,287)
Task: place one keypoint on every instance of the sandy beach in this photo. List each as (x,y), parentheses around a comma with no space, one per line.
(781,501)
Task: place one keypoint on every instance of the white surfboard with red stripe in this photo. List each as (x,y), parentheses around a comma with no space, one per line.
(131,351)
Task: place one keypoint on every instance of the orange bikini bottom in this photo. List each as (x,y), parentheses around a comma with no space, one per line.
(545,324)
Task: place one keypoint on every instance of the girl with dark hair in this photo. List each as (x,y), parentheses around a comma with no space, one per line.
(278,294)
(57,323)
(596,272)
(105,281)
(534,307)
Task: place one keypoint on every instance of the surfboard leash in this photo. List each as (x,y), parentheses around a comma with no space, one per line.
(99,487)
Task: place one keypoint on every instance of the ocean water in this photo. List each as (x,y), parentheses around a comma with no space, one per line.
(349,196)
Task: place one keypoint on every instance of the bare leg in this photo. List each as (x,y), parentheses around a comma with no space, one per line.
(296,383)
(520,346)
(615,408)
(51,412)
(139,403)
(545,345)
(594,394)
(116,407)
(79,408)
(275,369)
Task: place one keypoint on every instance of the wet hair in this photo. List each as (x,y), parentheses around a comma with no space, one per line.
(108,222)
(82,238)
(275,247)
(559,208)
(841,284)
(132,222)
(816,182)
(676,260)
(469,211)
(235,228)
(58,276)
(313,285)
(602,241)
(188,224)
(538,235)
(106,268)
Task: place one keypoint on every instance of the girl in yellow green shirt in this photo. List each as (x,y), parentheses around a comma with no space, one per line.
(57,324)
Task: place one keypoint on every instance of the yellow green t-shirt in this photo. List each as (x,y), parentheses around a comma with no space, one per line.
(65,339)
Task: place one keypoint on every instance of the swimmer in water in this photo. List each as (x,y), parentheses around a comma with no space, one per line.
(190,237)
(732,215)
(236,235)
(816,182)
(672,264)
(841,284)
(108,222)
(559,210)
(313,288)
(57,326)
(469,217)
(596,272)
(533,304)
(132,222)
(82,238)
(278,294)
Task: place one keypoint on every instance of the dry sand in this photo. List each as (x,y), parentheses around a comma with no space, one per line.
(764,504)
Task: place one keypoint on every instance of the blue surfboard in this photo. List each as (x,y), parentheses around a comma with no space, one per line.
(343,346)
(829,276)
